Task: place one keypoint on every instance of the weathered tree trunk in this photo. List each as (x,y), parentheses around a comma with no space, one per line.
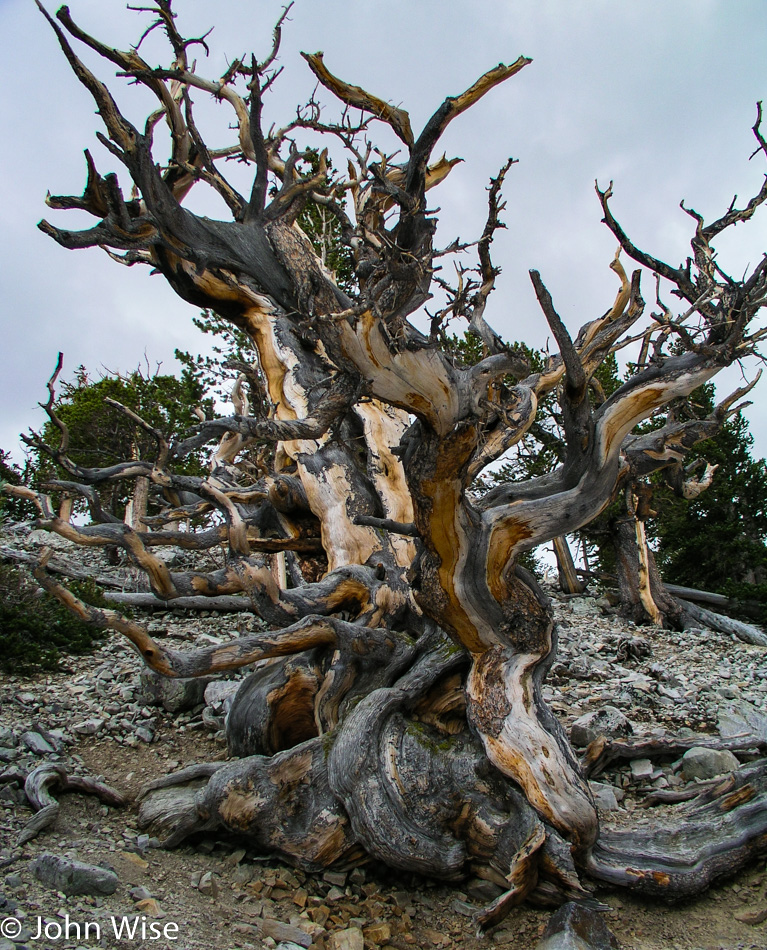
(569,581)
(644,598)
(136,509)
(396,709)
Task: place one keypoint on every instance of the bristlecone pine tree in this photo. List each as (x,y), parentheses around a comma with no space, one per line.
(401,714)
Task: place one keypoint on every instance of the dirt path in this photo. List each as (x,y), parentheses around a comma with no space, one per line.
(222,896)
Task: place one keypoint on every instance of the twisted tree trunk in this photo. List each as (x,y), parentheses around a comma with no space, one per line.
(396,710)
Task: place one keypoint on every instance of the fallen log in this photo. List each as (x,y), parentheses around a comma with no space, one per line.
(701,596)
(685,595)
(223,603)
(58,566)
(746,632)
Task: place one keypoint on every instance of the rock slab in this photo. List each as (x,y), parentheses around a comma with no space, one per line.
(174,695)
(73,877)
(742,718)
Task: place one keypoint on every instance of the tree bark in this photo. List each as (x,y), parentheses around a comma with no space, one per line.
(569,581)
(746,632)
(644,598)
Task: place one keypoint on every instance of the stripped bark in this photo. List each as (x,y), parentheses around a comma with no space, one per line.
(568,577)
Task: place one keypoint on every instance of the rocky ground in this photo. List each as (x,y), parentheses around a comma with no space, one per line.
(98,717)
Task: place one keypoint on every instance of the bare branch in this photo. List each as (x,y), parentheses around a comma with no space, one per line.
(757,130)
(120,130)
(386,524)
(452,106)
(356,97)
(50,411)
(677,276)
(277,38)
(488,271)
(576,377)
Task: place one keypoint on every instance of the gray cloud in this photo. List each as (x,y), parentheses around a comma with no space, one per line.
(658,97)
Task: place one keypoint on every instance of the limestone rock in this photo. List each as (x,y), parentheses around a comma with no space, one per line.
(350,939)
(741,717)
(642,770)
(279,931)
(220,693)
(88,727)
(208,885)
(604,796)
(36,743)
(174,695)
(378,933)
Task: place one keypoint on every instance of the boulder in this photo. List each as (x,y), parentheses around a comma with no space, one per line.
(703,763)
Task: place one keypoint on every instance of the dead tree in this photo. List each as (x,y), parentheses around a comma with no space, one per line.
(402,716)
(644,596)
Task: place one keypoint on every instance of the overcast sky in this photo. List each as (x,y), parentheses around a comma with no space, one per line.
(658,96)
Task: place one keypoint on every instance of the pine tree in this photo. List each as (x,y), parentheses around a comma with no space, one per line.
(97,430)
(718,541)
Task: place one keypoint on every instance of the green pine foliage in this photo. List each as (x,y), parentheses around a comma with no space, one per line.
(232,348)
(35,629)
(101,435)
(17,509)
(322,228)
(718,541)
(607,376)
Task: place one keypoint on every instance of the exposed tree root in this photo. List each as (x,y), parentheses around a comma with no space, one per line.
(602,751)
(707,839)
(394,780)
(181,777)
(39,787)
(413,791)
